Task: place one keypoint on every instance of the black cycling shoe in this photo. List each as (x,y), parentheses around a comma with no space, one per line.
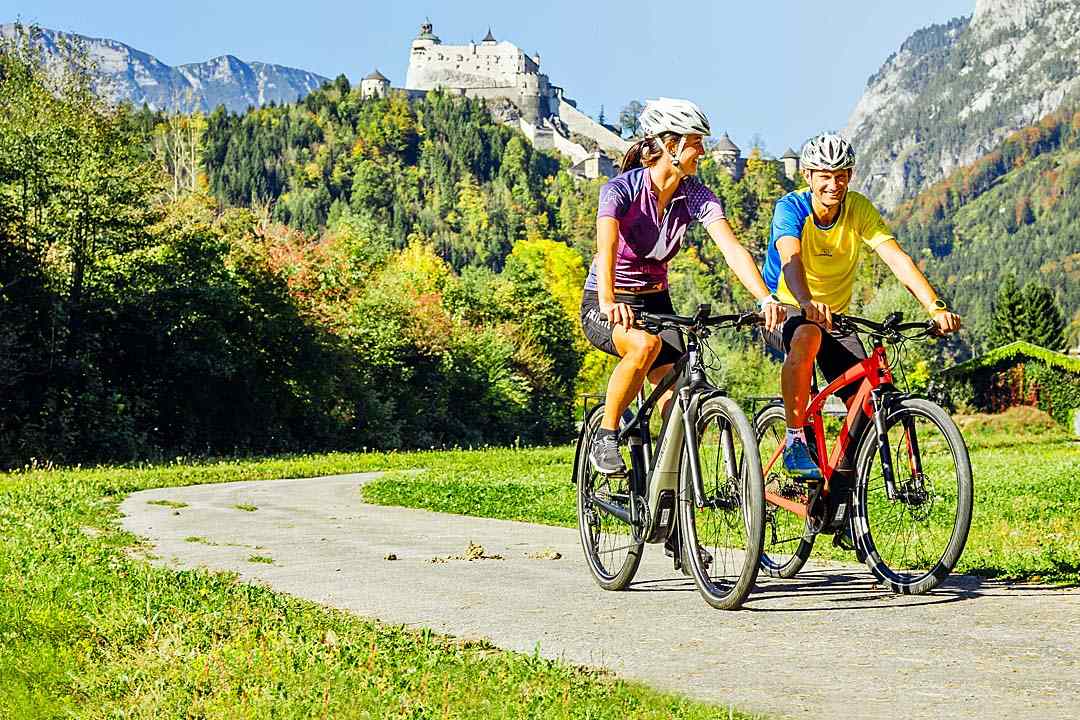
(604,455)
(706,558)
(843,540)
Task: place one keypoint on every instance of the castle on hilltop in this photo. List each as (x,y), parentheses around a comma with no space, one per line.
(497,71)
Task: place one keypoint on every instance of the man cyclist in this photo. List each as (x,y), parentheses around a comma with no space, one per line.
(814,247)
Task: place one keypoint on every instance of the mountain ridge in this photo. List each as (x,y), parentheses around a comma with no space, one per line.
(127,74)
(954,91)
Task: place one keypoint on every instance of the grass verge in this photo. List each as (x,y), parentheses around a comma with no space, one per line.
(1025,525)
(87,630)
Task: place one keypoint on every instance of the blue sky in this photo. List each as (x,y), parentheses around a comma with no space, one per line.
(779,69)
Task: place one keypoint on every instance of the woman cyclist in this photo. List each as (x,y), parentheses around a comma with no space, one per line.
(642,217)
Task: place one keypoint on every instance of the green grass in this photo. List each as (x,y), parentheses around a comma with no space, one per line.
(260,559)
(167,503)
(1025,526)
(89,629)
(246,507)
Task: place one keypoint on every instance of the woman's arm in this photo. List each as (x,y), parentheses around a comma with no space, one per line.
(742,264)
(607,242)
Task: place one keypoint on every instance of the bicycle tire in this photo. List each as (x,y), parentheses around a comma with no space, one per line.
(788,542)
(601,542)
(737,494)
(922,498)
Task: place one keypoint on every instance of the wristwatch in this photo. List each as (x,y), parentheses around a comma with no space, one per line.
(937,306)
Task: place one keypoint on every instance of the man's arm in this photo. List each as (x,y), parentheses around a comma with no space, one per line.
(908,273)
(742,264)
(790,249)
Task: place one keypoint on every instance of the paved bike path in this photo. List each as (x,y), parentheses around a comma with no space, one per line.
(826,644)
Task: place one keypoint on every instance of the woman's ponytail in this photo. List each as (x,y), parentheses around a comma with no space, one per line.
(646,151)
(632,158)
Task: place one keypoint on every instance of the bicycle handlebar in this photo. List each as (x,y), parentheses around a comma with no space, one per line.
(891,327)
(647,320)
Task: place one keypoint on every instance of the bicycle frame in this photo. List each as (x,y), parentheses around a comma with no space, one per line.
(657,477)
(874,376)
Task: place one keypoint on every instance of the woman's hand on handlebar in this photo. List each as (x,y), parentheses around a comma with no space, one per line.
(618,314)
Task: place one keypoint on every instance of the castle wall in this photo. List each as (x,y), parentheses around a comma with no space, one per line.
(582,124)
(465,66)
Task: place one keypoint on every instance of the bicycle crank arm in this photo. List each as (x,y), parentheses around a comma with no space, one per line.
(616,511)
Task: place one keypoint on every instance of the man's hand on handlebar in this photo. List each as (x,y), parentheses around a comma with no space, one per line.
(817,312)
(618,314)
(773,314)
(947,322)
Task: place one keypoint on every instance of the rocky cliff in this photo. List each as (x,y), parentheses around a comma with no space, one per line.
(952,92)
(127,74)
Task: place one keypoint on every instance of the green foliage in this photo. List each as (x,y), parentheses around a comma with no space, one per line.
(1018,374)
(142,319)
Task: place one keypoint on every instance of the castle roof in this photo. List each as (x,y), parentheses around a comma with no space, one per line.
(489,37)
(376,75)
(789,155)
(725,145)
(427,33)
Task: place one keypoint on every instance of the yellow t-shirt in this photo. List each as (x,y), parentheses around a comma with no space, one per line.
(830,255)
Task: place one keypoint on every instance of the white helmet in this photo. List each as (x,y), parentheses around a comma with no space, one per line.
(681,117)
(828,151)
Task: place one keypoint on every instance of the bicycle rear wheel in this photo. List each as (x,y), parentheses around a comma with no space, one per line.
(611,552)
(788,542)
(913,541)
(721,542)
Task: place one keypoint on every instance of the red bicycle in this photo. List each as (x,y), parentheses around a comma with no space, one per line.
(897,485)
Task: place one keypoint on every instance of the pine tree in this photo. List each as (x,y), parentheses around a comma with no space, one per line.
(1043,323)
(1008,313)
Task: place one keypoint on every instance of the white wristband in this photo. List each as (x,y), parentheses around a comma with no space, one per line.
(770,299)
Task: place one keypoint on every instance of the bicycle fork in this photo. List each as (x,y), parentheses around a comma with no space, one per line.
(884,451)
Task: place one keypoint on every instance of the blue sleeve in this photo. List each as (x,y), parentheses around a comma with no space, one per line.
(787,219)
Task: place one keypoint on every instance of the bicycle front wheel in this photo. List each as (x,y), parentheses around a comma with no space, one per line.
(611,552)
(788,541)
(722,540)
(913,540)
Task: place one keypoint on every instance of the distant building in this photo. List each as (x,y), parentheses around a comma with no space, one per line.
(595,164)
(727,155)
(374,85)
(791,164)
(495,71)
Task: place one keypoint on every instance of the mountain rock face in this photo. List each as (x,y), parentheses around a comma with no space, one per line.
(127,74)
(952,92)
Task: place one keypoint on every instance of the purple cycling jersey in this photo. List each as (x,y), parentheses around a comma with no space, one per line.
(645,245)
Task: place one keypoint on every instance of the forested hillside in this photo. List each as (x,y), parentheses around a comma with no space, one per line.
(338,273)
(1014,211)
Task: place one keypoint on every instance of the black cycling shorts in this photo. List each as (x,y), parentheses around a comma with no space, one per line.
(598,328)
(838,353)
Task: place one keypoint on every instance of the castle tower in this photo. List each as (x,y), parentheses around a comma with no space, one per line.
(374,85)
(421,53)
(489,39)
(727,154)
(791,164)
